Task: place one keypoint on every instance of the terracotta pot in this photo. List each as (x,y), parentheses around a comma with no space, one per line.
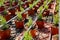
(12,11)
(40,24)
(54,31)
(2,8)
(30,12)
(33,33)
(5,34)
(19,24)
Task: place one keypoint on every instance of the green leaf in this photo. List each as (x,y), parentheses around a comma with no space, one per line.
(22,9)
(30,6)
(57,8)
(29,23)
(45,2)
(5,12)
(41,8)
(19,16)
(40,16)
(2,2)
(27,36)
(56,18)
(5,26)
(2,20)
(46,7)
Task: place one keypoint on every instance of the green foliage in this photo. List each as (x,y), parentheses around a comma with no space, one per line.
(30,6)
(45,2)
(21,8)
(3,22)
(27,36)
(2,2)
(40,17)
(57,8)
(56,18)
(19,16)
(46,7)
(29,23)
(34,3)
(5,12)
(41,8)
(49,1)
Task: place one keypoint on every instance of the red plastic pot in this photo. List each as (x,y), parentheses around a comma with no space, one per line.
(7,17)
(5,34)
(19,24)
(30,12)
(24,15)
(33,33)
(40,24)
(12,11)
(54,31)
(2,8)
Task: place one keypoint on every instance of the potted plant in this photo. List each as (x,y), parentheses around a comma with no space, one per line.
(5,31)
(6,15)
(19,22)
(27,36)
(40,22)
(28,23)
